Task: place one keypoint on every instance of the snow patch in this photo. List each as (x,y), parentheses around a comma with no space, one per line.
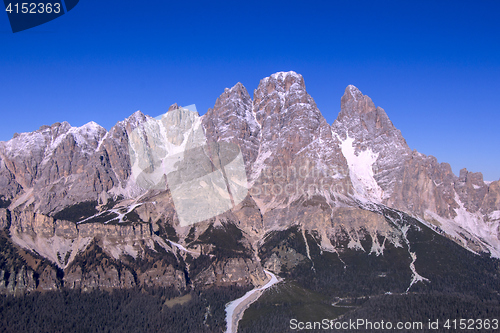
(353,90)
(117,211)
(281,76)
(494,215)
(360,170)
(182,248)
(415,276)
(377,248)
(355,243)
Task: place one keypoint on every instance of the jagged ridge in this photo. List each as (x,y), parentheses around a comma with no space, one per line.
(330,181)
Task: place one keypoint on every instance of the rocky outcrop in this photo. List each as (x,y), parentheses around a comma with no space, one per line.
(22,271)
(472,191)
(161,275)
(425,185)
(4,218)
(20,282)
(98,278)
(115,231)
(232,271)
(49,280)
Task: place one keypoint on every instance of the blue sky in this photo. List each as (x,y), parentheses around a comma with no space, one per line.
(434,66)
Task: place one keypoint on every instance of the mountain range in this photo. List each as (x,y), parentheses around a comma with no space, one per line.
(344,209)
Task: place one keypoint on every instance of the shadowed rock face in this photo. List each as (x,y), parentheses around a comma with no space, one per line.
(371,130)
(232,120)
(60,165)
(66,192)
(237,271)
(298,156)
(415,183)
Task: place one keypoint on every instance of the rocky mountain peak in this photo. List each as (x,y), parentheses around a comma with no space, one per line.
(294,135)
(26,143)
(367,133)
(282,98)
(239,97)
(238,90)
(172,107)
(56,129)
(91,133)
(134,119)
(287,80)
(360,118)
(353,101)
(279,85)
(232,120)
(475,177)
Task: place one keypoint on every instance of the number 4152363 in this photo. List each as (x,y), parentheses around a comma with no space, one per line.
(34,8)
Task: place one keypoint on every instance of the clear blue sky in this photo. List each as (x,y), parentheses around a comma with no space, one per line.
(434,66)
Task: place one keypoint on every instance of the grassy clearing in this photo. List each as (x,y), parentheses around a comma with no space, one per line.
(171,302)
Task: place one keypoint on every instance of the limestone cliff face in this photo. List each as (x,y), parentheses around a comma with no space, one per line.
(426,184)
(366,130)
(232,120)
(4,218)
(161,275)
(98,278)
(44,163)
(464,207)
(237,271)
(384,170)
(22,272)
(299,175)
(297,145)
(68,192)
(19,282)
(59,165)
